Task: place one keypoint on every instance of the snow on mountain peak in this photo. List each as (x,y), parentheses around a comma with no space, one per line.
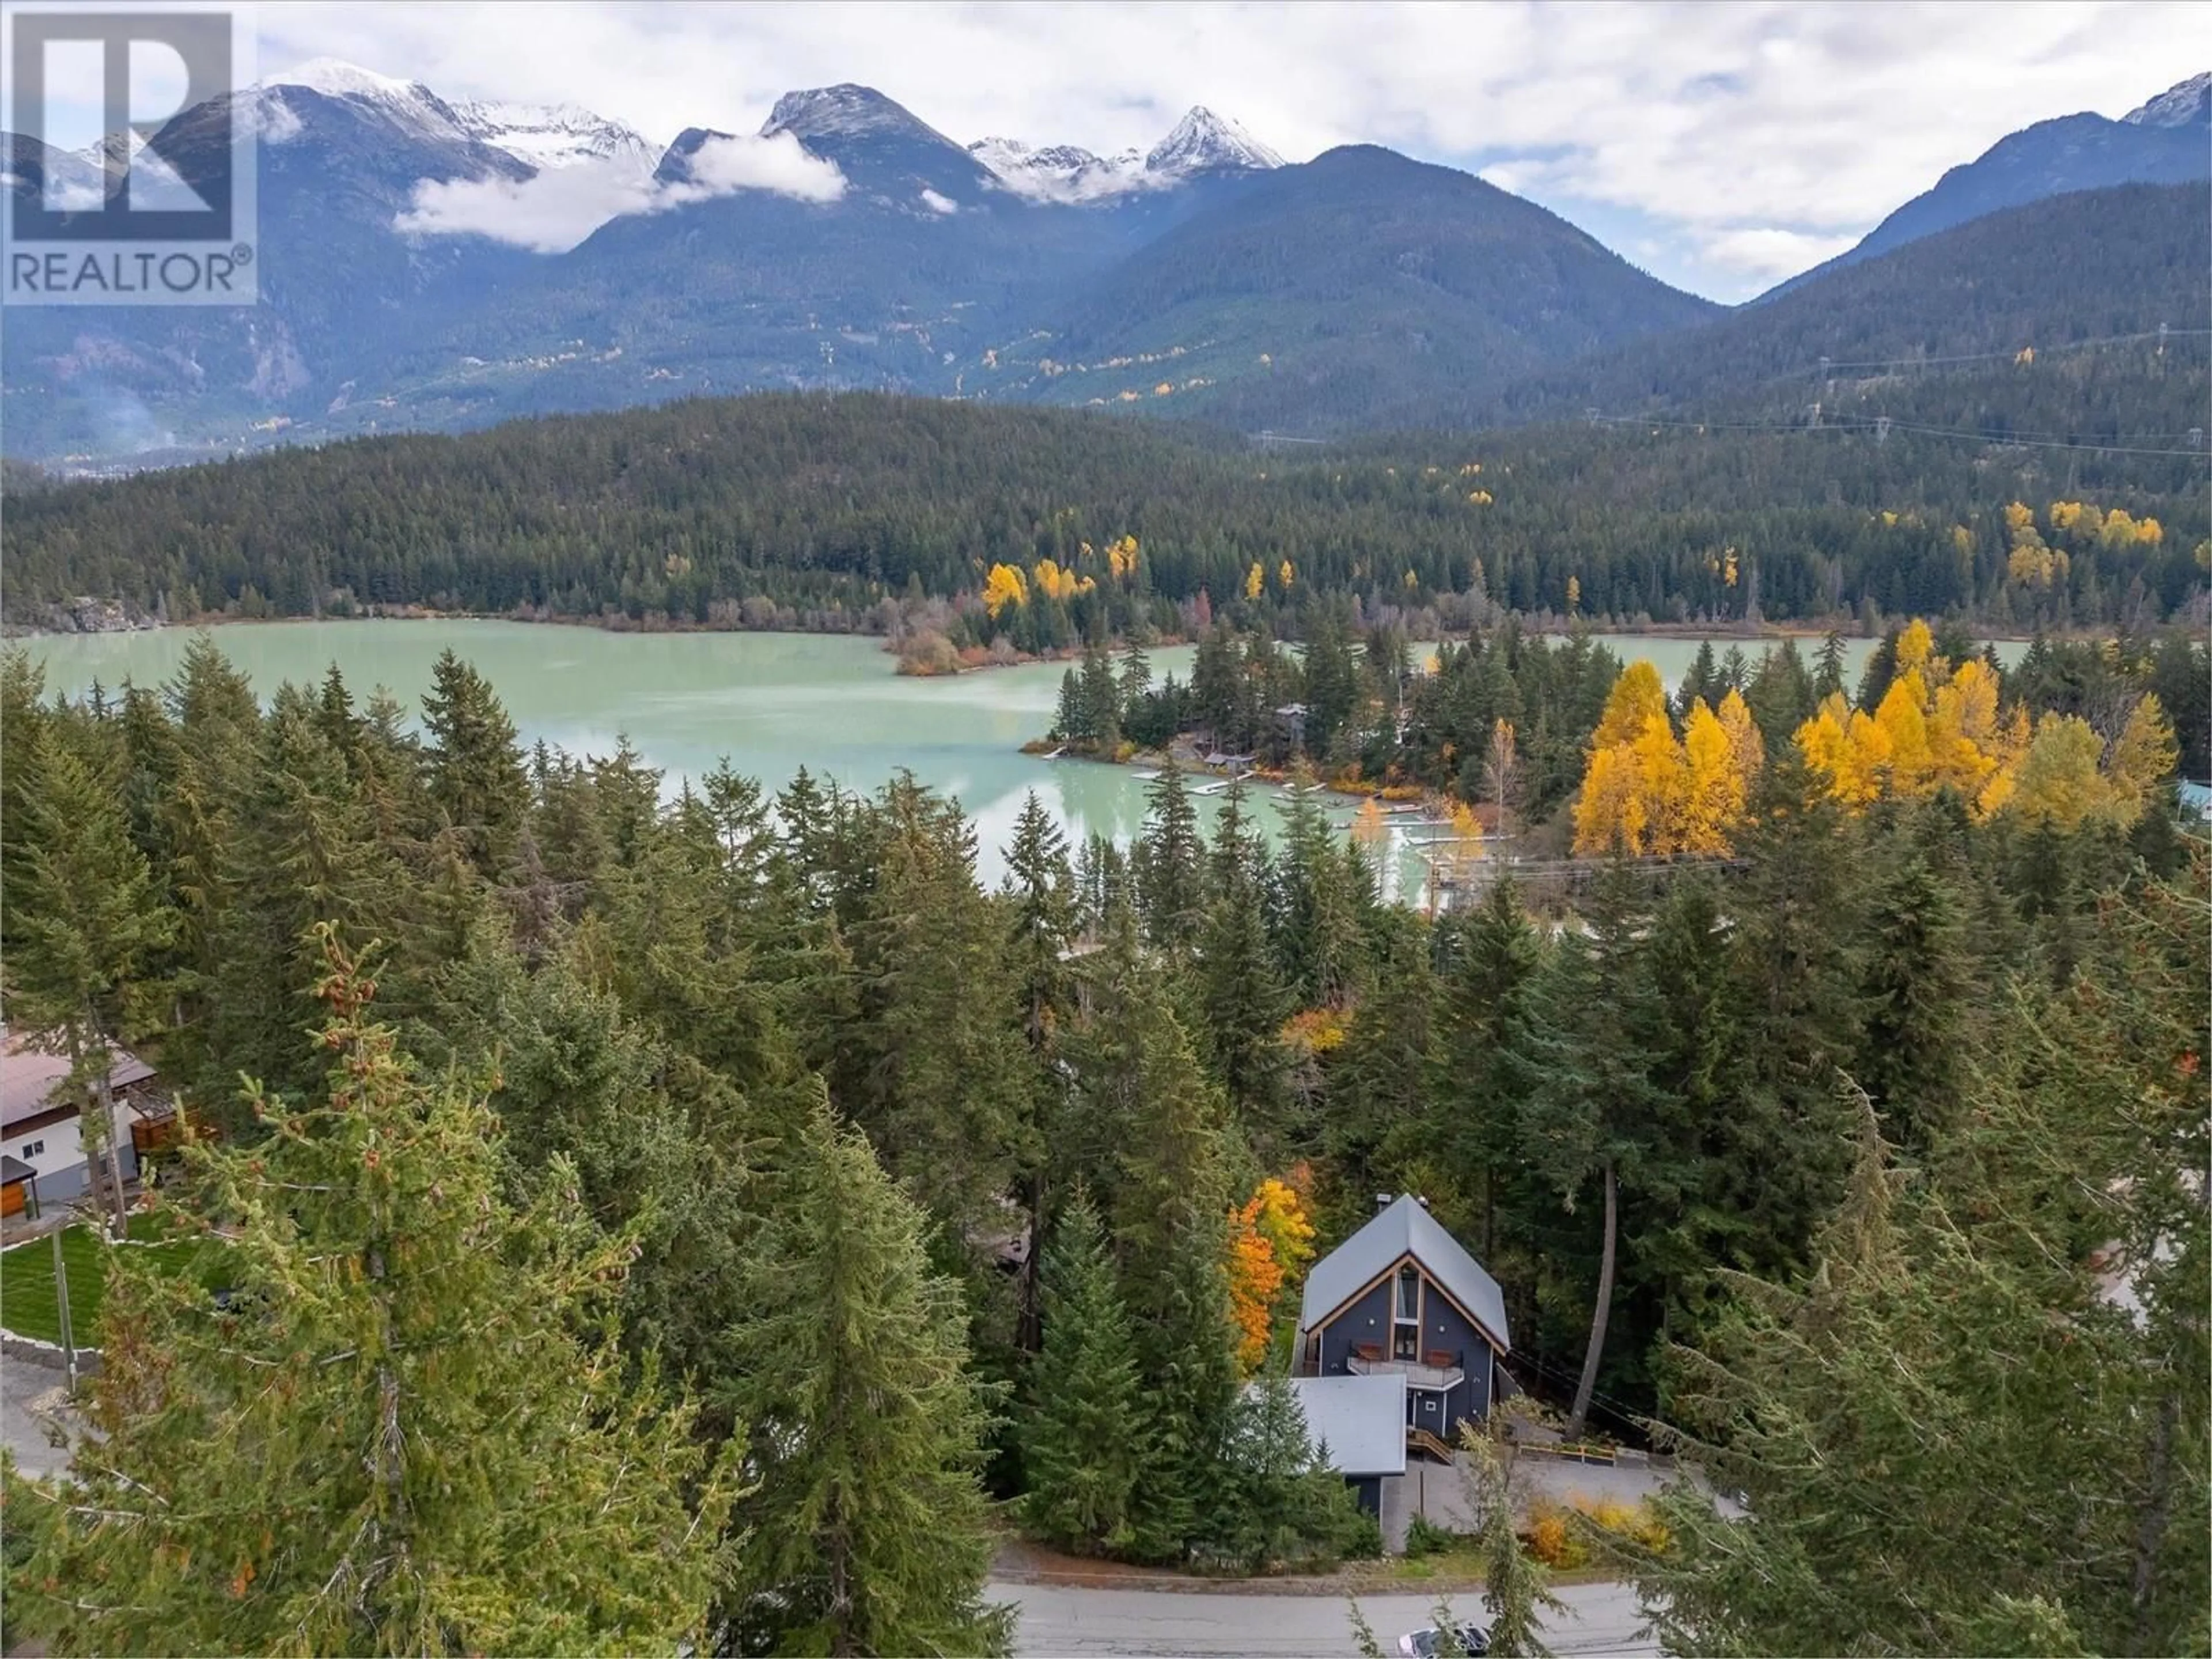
(335,78)
(2186,105)
(556,136)
(1203,141)
(408,105)
(1059,172)
(846,111)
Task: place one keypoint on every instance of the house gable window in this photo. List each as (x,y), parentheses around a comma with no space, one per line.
(1405,1324)
(32,1148)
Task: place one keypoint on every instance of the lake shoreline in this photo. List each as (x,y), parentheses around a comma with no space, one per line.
(1765,633)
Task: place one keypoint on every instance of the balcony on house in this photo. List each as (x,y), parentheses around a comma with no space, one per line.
(1437,1368)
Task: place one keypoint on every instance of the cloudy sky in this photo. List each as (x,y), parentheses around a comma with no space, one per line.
(1722,146)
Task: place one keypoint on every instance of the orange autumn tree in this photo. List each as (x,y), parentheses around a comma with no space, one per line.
(1270,1243)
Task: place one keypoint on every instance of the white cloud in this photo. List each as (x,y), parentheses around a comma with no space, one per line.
(1772,253)
(557,209)
(778,164)
(1692,121)
(937,203)
(549,213)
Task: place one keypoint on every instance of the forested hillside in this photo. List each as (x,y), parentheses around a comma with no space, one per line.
(745,1196)
(1901,331)
(1360,291)
(822,511)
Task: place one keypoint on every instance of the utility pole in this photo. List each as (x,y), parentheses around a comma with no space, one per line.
(62,1304)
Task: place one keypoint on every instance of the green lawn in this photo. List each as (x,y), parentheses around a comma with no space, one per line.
(28,1305)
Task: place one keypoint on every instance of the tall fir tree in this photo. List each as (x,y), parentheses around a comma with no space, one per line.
(474,765)
(389,1440)
(1241,997)
(1168,863)
(1084,1438)
(865,1531)
(88,918)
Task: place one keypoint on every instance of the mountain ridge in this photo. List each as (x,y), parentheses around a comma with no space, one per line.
(2158,143)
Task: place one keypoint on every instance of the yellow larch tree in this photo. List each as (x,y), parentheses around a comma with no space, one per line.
(2006,749)
(1916,650)
(1746,745)
(1254,579)
(1637,696)
(1610,810)
(2141,758)
(1004,586)
(2058,779)
(1713,792)
(1850,747)
(1902,720)
(1962,730)
(1282,1221)
(1662,774)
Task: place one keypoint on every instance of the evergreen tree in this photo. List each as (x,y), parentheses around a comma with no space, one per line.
(1040,890)
(1318,939)
(1276,1504)
(1084,1442)
(1168,863)
(303,850)
(865,1531)
(935,1069)
(87,918)
(1145,1130)
(1515,1585)
(1379,1084)
(1072,724)
(1492,1061)
(1240,995)
(475,768)
(1592,1117)
(1915,998)
(1828,668)
(390,1441)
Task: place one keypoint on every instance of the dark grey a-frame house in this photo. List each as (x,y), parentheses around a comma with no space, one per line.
(1401,1296)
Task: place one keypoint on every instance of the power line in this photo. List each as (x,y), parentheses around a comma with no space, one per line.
(1869,424)
(1827,368)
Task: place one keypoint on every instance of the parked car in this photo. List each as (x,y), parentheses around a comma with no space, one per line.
(1473,1641)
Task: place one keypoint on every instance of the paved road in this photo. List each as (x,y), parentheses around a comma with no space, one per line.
(29,1394)
(1602,1619)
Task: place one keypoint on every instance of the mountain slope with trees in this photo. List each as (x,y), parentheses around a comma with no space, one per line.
(1359,291)
(2038,279)
(862,512)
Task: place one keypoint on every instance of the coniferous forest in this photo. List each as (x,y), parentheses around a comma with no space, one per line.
(710,1216)
(1043,530)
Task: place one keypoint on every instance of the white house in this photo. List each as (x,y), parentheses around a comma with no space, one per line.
(42,1155)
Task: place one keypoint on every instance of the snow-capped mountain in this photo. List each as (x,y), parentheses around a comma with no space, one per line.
(541,136)
(1059,172)
(1202,142)
(846,111)
(551,136)
(2183,106)
(408,106)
